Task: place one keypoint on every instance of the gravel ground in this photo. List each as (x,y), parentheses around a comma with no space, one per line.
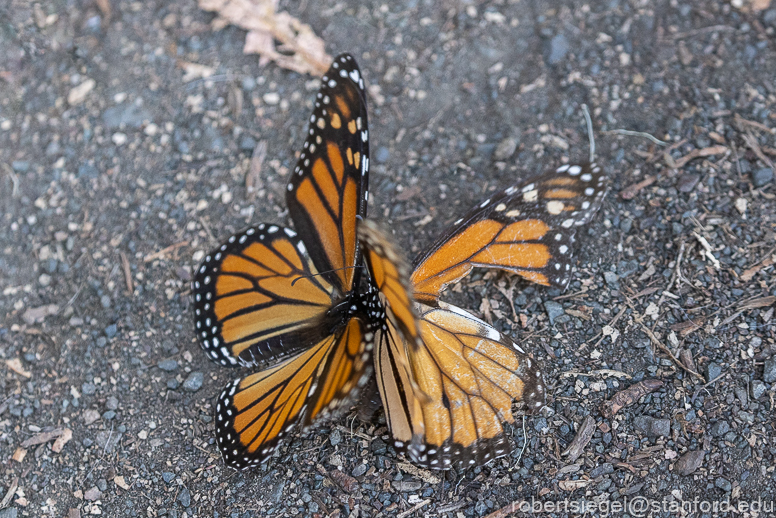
(117,173)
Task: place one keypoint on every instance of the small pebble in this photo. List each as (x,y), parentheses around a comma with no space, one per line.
(758,389)
(723,484)
(184,497)
(111,331)
(719,428)
(713,371)
(689,462)
(762,177)
(554,310)
(194,382)
(168,365)
(769,371)
(335,437)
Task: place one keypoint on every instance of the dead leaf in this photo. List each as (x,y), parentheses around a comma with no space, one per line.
(631,191)
(45,437)
(63,439)
(584,434)
(751,272)
(697,153)
(629,396)
(300,49)
(573,485)
(19,454)
(119,481)
(15,364)
(761,302)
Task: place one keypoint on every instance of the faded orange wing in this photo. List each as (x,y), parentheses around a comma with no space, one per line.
(464,379)
(526,229)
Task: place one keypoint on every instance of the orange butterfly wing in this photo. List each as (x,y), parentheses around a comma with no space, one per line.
(464,380)
(258,298)
(268,295)
(526,229)
(328,187)
(254,413)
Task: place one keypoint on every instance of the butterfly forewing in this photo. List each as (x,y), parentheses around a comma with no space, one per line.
(258,298)
(527,229)
(328,188)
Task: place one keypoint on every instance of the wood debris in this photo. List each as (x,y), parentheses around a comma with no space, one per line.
(629,396)
(15,364)
(584,434)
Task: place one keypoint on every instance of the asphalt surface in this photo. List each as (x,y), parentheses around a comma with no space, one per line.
(118,172)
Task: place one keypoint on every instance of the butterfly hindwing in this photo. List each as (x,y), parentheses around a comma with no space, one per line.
(526,229)
(468,376)
(328,188)
(254,413)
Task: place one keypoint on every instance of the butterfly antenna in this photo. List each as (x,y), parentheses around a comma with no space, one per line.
(590,135)
(321,273)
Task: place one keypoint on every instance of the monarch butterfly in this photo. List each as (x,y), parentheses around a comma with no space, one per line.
(296,305)
(291,301)
(447,395)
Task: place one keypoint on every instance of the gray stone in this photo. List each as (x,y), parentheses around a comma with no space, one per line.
(9,512)
(724,484)
(184,497)
(128,115)
(689,462)
(247,143)
(168,476)
(713,371)
(111,331)
(506,148)
(559,47)
(758,389)
(769,371)
(762,176)
(168,365)
(719,428)
(653,427)
(194,382)
(604,469)
(359,470)
(382,155)
(612,279)
(554,310)
(335,437)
